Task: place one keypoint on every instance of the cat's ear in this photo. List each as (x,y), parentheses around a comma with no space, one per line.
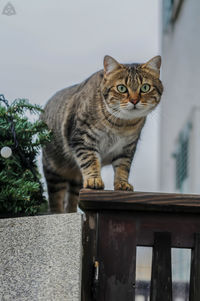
(110,64)
(154,64)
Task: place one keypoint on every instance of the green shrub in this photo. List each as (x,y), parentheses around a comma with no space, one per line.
(21,191)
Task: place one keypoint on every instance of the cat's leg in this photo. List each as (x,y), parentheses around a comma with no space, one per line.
(90,166)
(72,199)
(74,186)
(57,188)
(121,166)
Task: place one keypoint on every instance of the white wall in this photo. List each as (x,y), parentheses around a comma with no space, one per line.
(49,45)
(181,74)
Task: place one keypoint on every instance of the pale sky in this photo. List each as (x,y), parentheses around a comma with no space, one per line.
(49,45)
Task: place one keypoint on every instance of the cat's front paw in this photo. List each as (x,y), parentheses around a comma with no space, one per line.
(123,186)
(93,183)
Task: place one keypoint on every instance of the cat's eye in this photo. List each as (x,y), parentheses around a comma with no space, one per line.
(122,88)
(145,88)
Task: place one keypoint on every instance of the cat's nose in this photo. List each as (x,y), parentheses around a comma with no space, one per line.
(134,100)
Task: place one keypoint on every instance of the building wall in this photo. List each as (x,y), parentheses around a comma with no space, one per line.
(181,79)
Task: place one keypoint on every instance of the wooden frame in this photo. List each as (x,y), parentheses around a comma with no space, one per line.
(117,222)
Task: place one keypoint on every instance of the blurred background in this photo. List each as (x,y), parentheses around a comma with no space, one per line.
(48,45)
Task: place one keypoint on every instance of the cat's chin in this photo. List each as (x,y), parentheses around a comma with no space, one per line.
(132,114)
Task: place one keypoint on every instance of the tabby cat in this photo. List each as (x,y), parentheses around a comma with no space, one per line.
(95,123)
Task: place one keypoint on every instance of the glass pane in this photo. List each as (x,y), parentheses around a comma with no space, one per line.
(181,261)
(143,273)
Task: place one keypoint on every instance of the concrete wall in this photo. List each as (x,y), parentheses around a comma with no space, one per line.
(180,75)
(40,258)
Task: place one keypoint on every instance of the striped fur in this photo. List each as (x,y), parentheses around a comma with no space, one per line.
(94,125)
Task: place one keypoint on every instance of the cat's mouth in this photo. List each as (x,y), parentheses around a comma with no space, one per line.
(134,107)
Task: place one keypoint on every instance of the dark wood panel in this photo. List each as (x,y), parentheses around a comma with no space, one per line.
(138,201)
(89,242)
(161,279)
(195,270)
(117,256)
(118,221)
(181,226)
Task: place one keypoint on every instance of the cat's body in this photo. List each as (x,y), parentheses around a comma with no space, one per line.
(94,124)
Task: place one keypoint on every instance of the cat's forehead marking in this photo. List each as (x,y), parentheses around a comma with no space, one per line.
(133,78)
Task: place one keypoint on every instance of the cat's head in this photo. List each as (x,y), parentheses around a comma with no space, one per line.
(131,91)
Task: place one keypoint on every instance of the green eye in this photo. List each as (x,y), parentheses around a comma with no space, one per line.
(145,88)
(122,88)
